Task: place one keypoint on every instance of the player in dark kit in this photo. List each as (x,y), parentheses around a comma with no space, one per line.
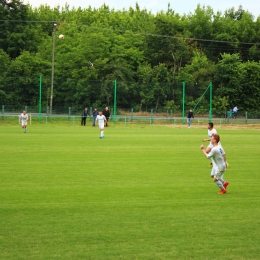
(106,113)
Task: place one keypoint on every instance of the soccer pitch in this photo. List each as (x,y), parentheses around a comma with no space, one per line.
(143,192)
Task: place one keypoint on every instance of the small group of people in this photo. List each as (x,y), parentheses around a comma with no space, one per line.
(98,117)
(95,113)
(233,112)
(217,155)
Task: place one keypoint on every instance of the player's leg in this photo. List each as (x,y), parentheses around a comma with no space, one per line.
(102,132)
(225,183)
(24,127)
(213,170)
(219,181)
(101,128)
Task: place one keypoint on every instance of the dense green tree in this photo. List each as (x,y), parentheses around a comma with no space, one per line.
(149,56)
(197,75)
(230,72)
(249,100)
(22,87)
(5,63)
(17,31)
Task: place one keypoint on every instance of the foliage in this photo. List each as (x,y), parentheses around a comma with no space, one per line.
(149,56)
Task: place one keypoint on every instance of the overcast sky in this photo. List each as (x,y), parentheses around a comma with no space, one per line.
(179,6)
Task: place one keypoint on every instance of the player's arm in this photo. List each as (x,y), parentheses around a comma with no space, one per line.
(225,159)
(203,150)
(206,139)
(208,155)
(208,149)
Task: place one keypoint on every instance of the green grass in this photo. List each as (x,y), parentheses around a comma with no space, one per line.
(144,192)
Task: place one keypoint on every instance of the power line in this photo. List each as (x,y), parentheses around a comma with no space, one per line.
(140,33)
(23,21)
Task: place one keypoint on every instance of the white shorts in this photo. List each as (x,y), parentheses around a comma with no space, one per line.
(101,126)
(219,173)
(214,169)
(24,123)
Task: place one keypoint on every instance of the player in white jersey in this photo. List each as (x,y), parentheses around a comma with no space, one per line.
(216,154)
(101,123)
(211,132)
(24,120)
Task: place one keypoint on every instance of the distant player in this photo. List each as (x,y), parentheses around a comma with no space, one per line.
(101,123)
(216,154)
(24,120)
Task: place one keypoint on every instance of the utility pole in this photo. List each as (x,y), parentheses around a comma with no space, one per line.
(52,64)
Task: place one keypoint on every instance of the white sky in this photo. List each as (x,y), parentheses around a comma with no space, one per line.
(179,6)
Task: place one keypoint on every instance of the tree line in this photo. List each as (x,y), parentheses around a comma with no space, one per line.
(149,55)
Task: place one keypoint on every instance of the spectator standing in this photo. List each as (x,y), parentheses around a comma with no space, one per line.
(106,113)
(230,113)
(95,113)
(235,110)
(84,115)
(189,117)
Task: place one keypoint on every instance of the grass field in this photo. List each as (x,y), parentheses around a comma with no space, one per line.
(143,192)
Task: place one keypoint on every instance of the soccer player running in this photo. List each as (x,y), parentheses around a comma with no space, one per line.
(211,132)
(101,123)
(24,120)
(216,154)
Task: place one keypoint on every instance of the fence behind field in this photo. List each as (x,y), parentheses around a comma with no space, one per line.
(73,120)
(125,116)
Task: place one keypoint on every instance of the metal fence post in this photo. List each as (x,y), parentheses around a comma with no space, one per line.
(69,114)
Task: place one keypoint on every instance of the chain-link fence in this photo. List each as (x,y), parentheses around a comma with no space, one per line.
(125,116)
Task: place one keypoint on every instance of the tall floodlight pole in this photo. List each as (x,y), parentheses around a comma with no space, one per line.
(114,117)
(40,100)
(52,64)
(183,102)
(210,102)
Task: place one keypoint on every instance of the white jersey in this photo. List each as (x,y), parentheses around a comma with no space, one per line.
(211,147)
(216,155)
(211,132)
(24,118)
(101,121)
